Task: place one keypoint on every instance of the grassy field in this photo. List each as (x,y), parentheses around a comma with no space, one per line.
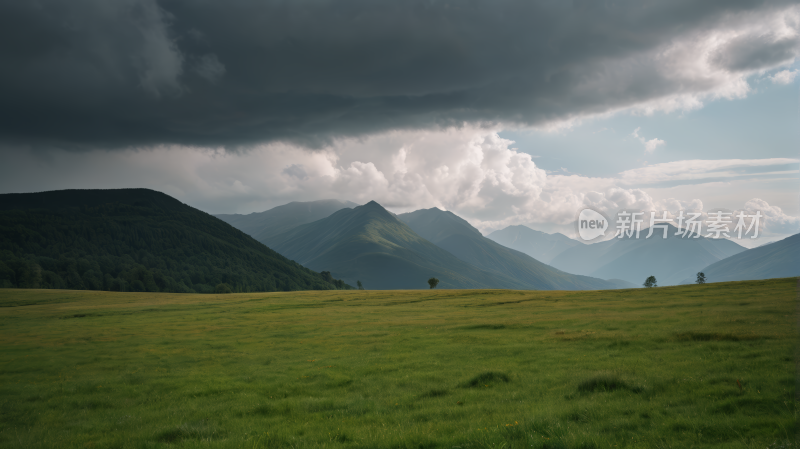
(675,367)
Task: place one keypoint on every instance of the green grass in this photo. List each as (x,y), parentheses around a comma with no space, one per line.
(674,367)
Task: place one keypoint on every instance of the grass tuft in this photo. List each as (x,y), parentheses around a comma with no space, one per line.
(435,393)
(715,336)
(340,437)
(579,416)
(265,410)
(200,430)
(487,378)
(587,445)
(786,444)
(485,326)
(606,382)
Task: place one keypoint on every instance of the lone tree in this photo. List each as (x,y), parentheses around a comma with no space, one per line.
(360,285)
(650,282)
(701,278)
(433,282)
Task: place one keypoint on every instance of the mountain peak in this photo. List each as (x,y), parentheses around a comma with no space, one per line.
(374,210)
(263,226)
(435,224)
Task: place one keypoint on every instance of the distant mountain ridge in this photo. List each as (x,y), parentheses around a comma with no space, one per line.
(267,224)
(670,260)
(461,239)
(375,246)
(775,260)
(541,246)
(134,240)
(368,244)
(437,225)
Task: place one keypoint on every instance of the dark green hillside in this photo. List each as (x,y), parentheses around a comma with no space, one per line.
(776,260)
(135,240)
(454,234)
(268,224)
(369,244)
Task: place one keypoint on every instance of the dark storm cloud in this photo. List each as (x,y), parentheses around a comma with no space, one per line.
(99,74)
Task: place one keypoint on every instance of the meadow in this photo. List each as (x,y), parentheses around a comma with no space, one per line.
(709,366)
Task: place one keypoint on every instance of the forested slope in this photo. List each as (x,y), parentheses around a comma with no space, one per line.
(135,240)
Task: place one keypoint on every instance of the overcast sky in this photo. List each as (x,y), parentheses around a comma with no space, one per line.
(505,112)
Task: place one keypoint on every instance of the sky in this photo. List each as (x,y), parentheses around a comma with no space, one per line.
(504,112)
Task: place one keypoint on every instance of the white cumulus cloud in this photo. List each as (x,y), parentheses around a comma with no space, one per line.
(649,145)
(784,77)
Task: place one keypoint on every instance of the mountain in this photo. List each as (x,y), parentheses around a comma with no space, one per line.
(135,240)
(455,235)
(369,244)
(670,260)
(779,259)
(539,245)
(267,224)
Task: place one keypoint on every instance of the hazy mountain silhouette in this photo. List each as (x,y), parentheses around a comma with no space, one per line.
(539,245)
(775,260)
(457,236)
(267,224)
(670,260)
